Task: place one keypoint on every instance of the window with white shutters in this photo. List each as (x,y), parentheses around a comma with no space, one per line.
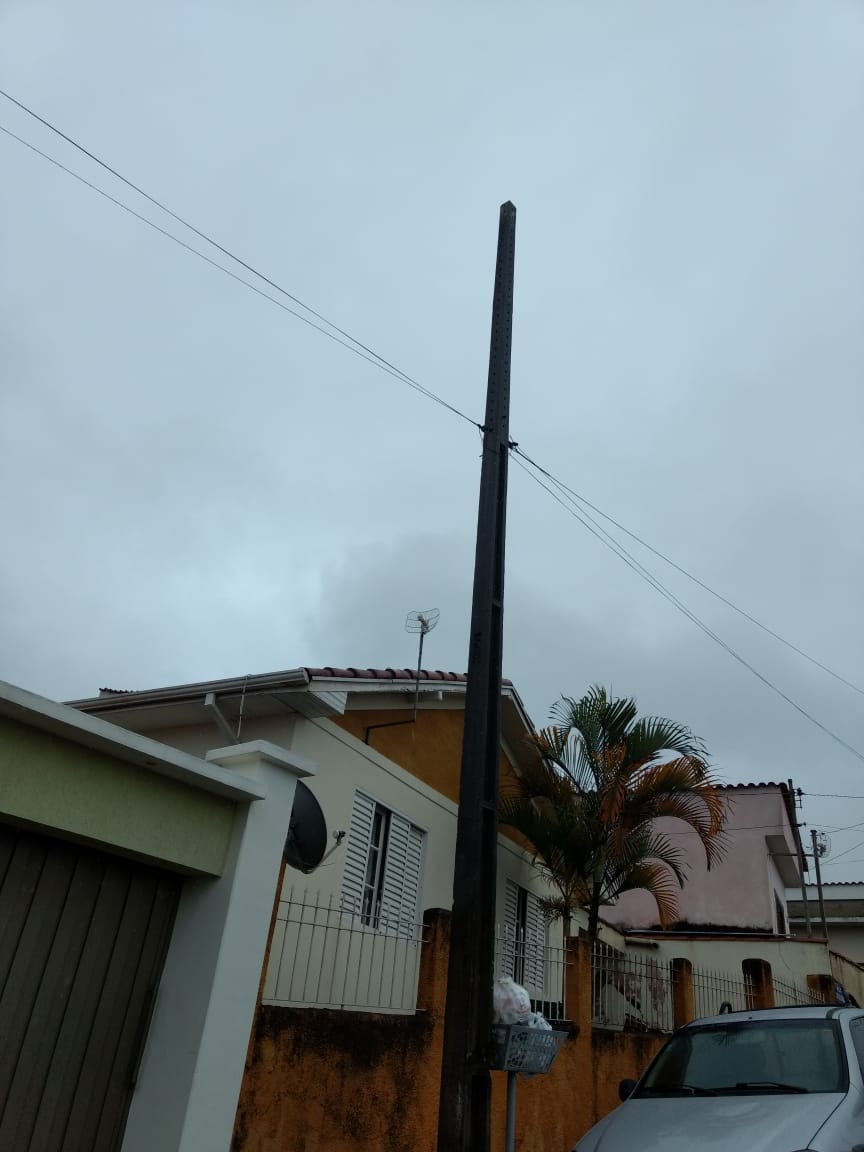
(509,929)
(524,939)
(383,869)
(534,946)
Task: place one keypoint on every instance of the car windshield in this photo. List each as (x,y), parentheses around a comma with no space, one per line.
(748,1058)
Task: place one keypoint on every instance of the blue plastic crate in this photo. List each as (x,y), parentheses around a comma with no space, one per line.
(531,1051)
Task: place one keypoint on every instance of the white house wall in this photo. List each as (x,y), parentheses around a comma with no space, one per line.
(310,937)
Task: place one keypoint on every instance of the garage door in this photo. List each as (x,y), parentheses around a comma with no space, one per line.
(83,936)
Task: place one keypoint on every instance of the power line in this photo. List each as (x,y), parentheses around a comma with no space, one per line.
(834,795)
(610,542)
(731,829)
(195,252)
(355,345)
(860,844)
(695,579)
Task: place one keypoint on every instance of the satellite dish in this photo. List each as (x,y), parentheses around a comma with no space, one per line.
(306,841)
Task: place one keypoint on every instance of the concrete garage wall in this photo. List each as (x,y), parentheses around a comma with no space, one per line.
(47,782)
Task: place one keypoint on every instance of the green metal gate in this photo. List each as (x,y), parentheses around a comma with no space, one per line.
(83,937)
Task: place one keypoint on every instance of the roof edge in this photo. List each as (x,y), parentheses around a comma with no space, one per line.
(101,736)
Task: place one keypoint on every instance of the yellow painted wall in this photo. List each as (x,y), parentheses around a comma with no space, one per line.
(337,1082)
(330,1081)
(430,749)
(59,787)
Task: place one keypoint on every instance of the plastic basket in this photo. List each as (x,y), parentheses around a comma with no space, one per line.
(531,1051)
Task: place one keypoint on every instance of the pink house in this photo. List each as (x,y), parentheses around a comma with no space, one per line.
(745,892)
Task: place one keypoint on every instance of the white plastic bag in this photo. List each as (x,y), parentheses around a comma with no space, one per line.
(510,1002)
(538,1020)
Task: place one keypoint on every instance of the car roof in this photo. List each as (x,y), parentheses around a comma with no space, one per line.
(816,1012)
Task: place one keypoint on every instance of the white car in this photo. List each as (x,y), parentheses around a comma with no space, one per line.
(775,1080)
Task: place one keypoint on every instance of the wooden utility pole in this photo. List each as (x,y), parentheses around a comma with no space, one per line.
(464,1107)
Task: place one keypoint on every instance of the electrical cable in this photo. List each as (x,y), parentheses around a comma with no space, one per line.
(355,346)
(645,574)
(846,852)
(695,579)
(834,795)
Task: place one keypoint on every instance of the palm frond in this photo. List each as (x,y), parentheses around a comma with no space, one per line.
(652,735)
(588,802)
(654,877)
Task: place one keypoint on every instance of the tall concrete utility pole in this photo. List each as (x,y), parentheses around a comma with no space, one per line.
(464,1107)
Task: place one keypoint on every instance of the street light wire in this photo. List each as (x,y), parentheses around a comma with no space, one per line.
(350,342)
(609,541)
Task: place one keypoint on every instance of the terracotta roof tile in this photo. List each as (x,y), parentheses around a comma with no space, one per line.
(389,674)
(762,784)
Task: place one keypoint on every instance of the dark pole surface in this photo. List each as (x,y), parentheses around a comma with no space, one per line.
(464,1108)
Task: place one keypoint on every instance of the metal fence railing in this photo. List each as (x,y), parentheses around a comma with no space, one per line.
(538,966)
(712,990)
(630,990)
(323,957)
(790,994)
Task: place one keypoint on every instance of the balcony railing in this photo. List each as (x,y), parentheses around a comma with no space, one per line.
(323,957)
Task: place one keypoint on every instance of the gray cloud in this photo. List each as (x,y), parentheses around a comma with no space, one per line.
(193,483)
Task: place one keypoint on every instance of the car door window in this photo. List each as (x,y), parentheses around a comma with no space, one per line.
(856,1028)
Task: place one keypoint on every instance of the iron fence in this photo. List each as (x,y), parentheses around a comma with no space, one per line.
(790,994)
(714,989)
(324,957)
(630,990)
(530,960)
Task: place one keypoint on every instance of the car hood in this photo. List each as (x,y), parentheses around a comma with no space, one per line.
(761,1123)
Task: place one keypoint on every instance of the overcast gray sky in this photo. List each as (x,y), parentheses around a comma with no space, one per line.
(195,484)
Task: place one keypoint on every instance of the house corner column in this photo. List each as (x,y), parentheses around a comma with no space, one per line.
(434,955)
(757,974)
(683,1005)
(821,986)
(193,1065)
(577,982)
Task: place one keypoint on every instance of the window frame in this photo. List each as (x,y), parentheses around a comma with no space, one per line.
(365,891)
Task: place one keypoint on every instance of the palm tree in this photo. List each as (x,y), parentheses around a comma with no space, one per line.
(588,803)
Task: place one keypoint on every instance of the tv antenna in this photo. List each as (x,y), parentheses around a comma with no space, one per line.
(422,622)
